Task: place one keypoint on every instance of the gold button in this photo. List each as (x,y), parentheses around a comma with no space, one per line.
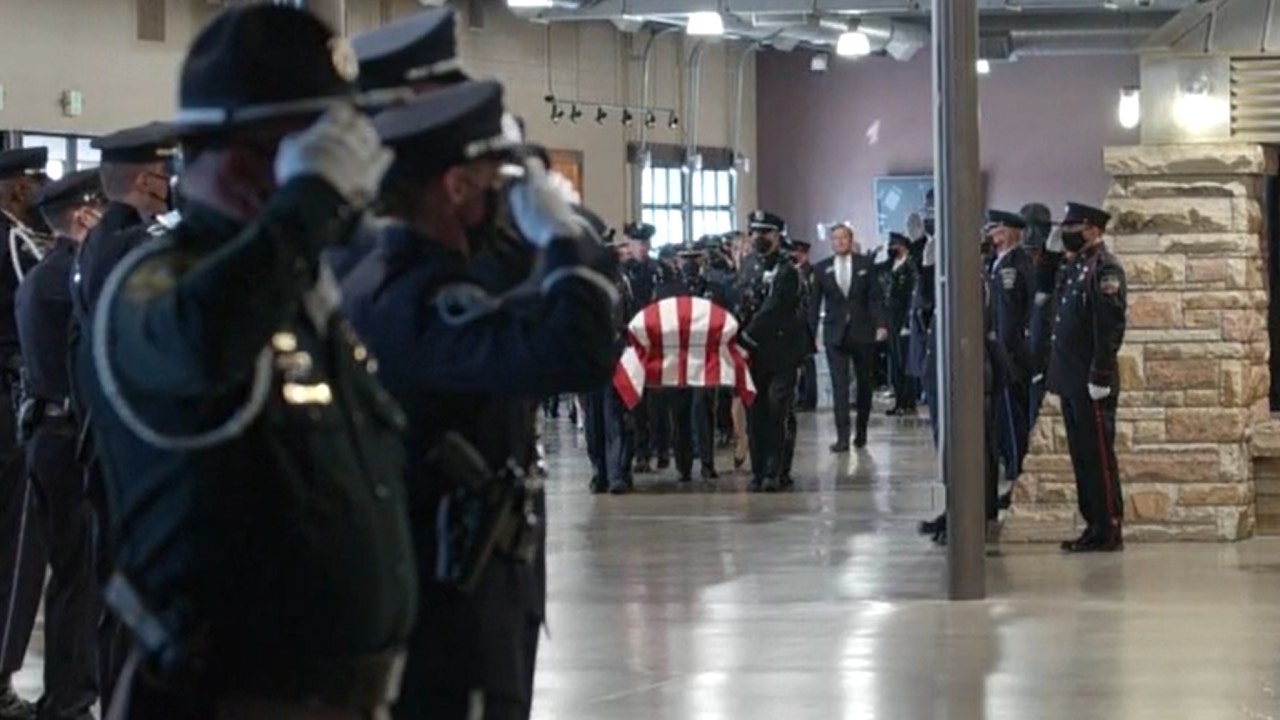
(360,353)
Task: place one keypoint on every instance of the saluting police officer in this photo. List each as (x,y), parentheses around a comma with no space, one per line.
(71,207)
(22,551)
(449,352)
(1087,333)
(135,173)
(253,463)
(1012,283)
(775,332)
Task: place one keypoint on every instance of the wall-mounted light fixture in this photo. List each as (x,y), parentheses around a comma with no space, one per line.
(984,66)
(1130,109)
(1196,109)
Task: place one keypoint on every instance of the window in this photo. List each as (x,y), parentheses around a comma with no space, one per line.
(67,153)
(683,206)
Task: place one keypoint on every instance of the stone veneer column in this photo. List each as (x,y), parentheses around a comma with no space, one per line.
(1187,225)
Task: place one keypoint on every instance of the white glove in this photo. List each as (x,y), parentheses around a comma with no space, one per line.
(1098,392)
(1037,379)
(541,212)
(1041,298)
(904,332)
(343,149)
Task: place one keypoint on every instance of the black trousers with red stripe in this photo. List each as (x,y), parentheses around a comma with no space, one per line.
(1091,437)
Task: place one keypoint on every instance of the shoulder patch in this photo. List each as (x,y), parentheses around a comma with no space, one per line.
(1109,283)
(158,274)
(461,303)
(1008,277)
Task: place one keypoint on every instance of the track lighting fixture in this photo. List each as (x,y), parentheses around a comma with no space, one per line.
(650,119)
(627,118)
(674,122)
(575,113)
(601,115)
(557,112)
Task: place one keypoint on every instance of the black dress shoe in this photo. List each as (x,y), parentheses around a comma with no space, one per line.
(709,473)
(860,441)
(1006,501)
(619,488)
(787,481)
(931,527)
(893,412)
(597,488)
(1085,539)
(738,462)
(840,447)
(642,466)
(757,485)
(771,485)
(663,463)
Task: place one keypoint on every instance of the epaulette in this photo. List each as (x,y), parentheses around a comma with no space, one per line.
(158,273)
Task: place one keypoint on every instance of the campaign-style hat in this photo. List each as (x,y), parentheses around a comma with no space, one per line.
(440,130)
(765,221)
(20,162)
(643,232)
(261,62)
(1007,219)
(153,142)
(1077,213)
(71,189)
(896,238)
(419,48)
(799,243)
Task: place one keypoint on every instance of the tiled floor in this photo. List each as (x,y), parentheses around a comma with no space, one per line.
(707,603)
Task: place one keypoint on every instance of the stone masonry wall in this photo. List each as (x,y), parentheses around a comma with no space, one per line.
(1187,225)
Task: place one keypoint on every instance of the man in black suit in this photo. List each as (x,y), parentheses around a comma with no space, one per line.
(847,285)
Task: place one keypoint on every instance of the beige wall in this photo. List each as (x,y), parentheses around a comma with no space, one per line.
(47,46)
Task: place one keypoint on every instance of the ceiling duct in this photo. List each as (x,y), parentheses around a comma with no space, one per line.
(1221,27)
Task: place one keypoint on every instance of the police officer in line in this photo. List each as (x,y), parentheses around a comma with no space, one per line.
(71,207)
(236,413)
(1012,285)
(1046,258)
(807,389)
(645,274)
(22,551)
(135,171)
(1088,331)
(610,431)
(995,373)
(447,350)
(899,272)
(775,332)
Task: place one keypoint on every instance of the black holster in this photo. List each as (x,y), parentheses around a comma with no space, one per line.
(480,513)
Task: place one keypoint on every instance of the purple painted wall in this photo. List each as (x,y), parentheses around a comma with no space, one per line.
(823,139)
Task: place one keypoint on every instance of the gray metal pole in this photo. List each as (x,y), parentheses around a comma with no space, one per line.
(957,177)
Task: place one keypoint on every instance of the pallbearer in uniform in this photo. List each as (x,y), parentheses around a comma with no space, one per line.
(454,356)
(253,463)
(1046,258)
(72,206)
(1087,334)
(847,287)
(645,274)
(609,428)
(1012,283)
(22,551)
(776,334)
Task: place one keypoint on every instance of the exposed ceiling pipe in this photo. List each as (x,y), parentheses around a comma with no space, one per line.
(609,9)
(646,87)
(693,107)
(739,96)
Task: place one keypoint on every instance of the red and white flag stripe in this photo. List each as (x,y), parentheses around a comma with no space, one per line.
(682,341)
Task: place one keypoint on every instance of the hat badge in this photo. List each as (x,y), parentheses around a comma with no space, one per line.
(344,59)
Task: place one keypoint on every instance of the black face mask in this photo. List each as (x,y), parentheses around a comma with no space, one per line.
(929,226)
(763,245)
(1072,240)
(483,233)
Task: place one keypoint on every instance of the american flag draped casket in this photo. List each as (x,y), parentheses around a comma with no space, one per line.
(682,341)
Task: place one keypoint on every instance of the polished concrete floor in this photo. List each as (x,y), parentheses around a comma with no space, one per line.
(707,603)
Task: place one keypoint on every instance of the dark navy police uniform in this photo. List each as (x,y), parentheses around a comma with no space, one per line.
(452,355)
(49,430)
(1010,277)
(1087,333)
